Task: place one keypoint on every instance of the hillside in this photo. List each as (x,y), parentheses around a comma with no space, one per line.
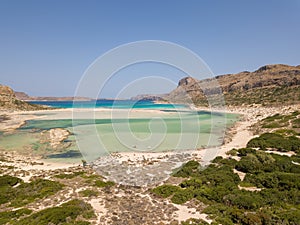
(270,85)
(9,101)
(25,97)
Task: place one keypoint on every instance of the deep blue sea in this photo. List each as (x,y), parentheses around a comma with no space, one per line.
(119,104)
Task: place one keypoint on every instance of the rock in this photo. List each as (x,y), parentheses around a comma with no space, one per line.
(9,101)
(55,137)
(270,84)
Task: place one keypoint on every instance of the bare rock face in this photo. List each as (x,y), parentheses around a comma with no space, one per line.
(9,101)
(269,84)
(6,94)
(56,137)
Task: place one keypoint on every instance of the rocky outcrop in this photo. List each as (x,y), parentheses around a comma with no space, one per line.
(56,138)
(22,95)
(9,101)
(148,97)
(270,84)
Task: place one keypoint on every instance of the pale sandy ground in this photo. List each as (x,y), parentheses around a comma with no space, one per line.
(31,164)
(184,213)
(241,135)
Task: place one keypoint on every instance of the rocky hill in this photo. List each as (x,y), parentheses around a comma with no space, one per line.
(269,85)
(25,97)
(148,97)
(9,101)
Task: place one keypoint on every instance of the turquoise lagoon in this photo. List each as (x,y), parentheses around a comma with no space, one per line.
(165,128)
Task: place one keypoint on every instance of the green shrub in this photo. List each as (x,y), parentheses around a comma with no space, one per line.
(182,196)
(101,183)
(272,125)
(8,216)
(88,193)
(7,180)
(67,213)
(27,192)
(193,183)
(244,200)
(194,222)
(296,123)
(69,175)
(276,141)
(217,159)
(191,168)
(165,190)
(232,152)
(286,132)
(249,164)
(245,151)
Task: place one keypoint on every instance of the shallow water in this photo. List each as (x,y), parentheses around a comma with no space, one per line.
(153,132)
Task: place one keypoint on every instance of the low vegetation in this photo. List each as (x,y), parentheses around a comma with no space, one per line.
(69,175)
(16,197)
(275,141)
(88,193)
(265,96)
(14,191)
(7,216)
(288,123)
(273,180)
(75,212)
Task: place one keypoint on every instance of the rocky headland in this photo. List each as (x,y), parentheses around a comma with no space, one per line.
(10,102)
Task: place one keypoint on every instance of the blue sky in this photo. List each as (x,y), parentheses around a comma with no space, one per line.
(45,46)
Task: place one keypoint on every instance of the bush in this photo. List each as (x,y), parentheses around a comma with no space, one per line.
(244,200)
(101,183)
(182,196)
(165,190)
(245,151)
(191,168)
(193,183)
(28,192)
(276,141)
(7,180)
(249,164)
(194,222)
(8,216)
(88,193)
(67,213)
(69,175)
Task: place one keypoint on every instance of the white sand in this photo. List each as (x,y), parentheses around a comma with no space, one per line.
(184,213)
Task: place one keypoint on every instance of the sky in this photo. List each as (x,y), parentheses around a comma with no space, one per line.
(46,46)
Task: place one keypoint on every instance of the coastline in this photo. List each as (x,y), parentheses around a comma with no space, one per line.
(236,136)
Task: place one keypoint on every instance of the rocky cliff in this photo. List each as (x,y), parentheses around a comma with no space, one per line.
(269,85)
(9,101)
